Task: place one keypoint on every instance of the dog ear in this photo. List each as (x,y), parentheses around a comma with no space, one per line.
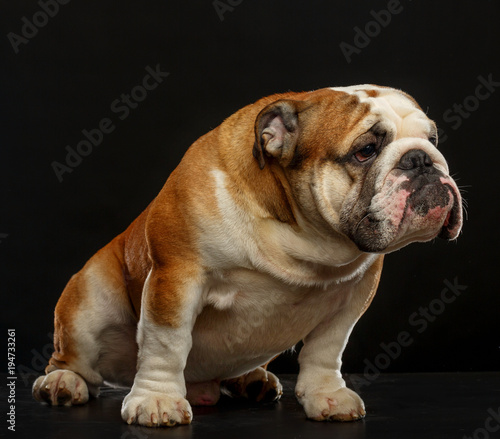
(277,131)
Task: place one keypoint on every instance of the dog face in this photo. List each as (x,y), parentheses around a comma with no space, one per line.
(362,162)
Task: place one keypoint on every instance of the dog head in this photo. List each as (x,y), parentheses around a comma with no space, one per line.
(363,161)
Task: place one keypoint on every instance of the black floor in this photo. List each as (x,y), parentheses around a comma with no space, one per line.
(399,406)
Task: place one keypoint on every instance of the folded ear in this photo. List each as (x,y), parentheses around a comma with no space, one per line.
(277,131)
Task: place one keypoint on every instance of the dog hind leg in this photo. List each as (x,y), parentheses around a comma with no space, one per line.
(94,337)
(259,385)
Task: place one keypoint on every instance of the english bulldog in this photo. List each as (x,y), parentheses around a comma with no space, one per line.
(271,230)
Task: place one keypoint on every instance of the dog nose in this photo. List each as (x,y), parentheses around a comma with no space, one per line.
(415,159)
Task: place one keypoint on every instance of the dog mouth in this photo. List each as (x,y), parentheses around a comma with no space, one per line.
(434,204)
(453,221)
(416,210)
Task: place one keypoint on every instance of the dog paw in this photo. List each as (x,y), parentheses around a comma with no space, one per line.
(154,409)
(61,387)
(340,405)
(258,385)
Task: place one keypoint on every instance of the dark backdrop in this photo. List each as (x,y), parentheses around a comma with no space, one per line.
(64,74)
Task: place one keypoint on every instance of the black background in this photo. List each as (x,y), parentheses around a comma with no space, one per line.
(65,78)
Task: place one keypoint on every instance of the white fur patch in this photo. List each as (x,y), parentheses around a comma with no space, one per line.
(408,119)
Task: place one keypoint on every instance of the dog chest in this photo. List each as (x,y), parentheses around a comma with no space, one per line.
(249,320)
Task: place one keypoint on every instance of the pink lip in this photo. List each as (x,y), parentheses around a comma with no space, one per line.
(447,220)
(455,214)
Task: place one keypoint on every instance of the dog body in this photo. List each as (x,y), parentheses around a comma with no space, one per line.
(271,230)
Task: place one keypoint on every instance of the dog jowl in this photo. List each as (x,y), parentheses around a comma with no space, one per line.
(271,230)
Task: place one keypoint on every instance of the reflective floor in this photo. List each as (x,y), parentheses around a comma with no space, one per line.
(400,406)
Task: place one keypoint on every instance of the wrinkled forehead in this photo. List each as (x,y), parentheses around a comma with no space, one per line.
(393,107)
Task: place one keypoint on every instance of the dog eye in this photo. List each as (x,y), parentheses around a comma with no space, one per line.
(366,152)
(433,139)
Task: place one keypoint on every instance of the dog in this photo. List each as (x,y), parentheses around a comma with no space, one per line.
(272,230)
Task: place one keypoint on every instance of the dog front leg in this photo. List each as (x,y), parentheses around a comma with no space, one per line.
(170,305)
(320,387)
